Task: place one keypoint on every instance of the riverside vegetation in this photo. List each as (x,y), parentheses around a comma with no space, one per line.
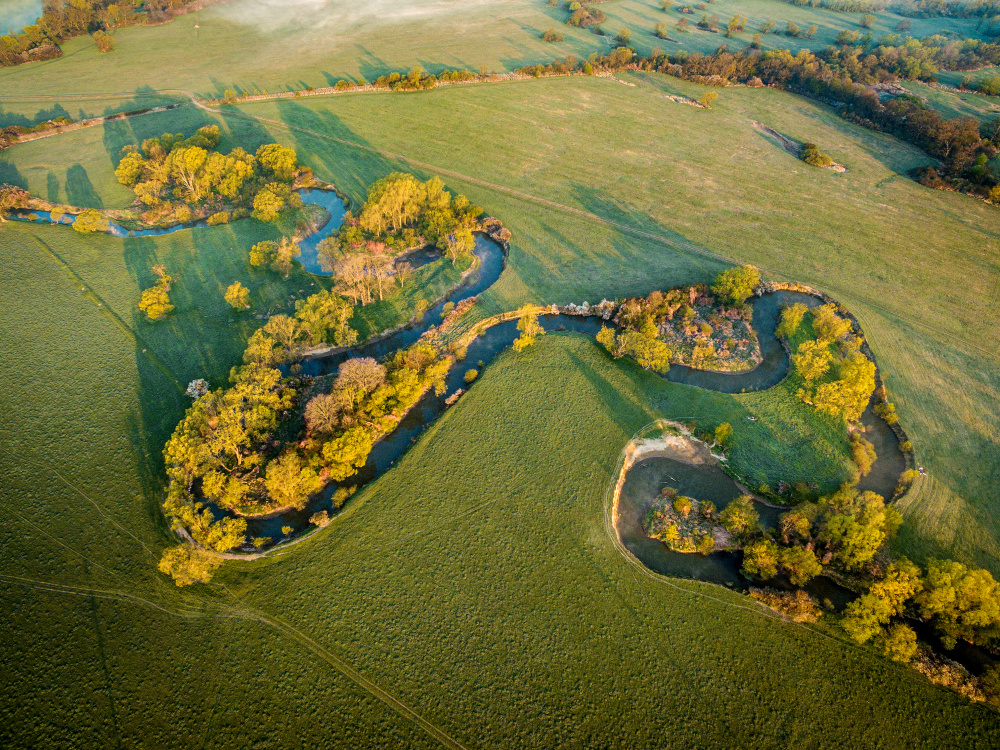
(370,609)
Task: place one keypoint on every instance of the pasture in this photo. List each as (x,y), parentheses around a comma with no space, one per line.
(475,582)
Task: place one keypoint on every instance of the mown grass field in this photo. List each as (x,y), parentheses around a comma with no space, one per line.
(249,45)
(475,581)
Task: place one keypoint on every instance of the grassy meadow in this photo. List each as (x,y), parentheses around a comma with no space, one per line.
(254,46)
(474,583)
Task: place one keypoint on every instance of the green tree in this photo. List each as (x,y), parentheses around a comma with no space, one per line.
(683,505)
(760,560)
(960,602)
(290,482)
(708,97)
(736,285)
(899,643)
(238,296)
(267,205)
(865,617)
(278,160)
(812,360)
(739,516)
(155,302)
(799,564)
(285,252)
(529,327)
(791,319)
(792,29)
(471,375)
(624,38)
(723,433)
(104,41)
(650,353)
(347,453)
(91,220)
(187,564)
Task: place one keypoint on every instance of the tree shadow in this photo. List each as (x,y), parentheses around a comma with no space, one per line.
(10,175)
(352,168)
(80,190)
(52,186)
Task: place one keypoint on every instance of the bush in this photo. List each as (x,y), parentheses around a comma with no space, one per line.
(811,154)
(105,43)
(551,35)
(218,218)
(471,375)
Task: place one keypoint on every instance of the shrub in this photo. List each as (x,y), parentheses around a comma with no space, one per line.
(218,218)
(551,35)
(471,375)
(104,41)
(811,154)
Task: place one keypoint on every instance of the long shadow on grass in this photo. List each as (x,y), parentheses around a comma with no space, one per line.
(350,169)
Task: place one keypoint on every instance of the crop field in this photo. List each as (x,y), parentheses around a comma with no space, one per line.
(472,596)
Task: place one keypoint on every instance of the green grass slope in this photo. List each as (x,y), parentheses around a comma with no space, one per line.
(255,46)
(917,266)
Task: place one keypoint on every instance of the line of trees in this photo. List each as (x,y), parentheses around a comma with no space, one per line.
(840,75)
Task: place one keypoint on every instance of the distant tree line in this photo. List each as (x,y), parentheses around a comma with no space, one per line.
(840,75)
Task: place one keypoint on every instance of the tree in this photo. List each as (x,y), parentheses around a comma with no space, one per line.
(529,327)
(284,253)
(624,38)
(551,35)
(347,453)
(683,24)
(460,243)
(900,643)
(760,560)
(323,412)
(848,396)
(267,205)
(682,505)
(289,482)
(812,360)
(325,316)
(187,564)
(104,41)
(828,325)
(863,453)
(736,285)
(91,220)
(278,160)
(811,31)
(155,302)
(794,525)
(853,543)
(606,338)
(650,353)
(799,564)
(739,516)
(792,29)
(708,97)
(359,375)
(865,617)
(723,433)
(867,21)
(284,329)
(961,603)
(791,319)
(238,296)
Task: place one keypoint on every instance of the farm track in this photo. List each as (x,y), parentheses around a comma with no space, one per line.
(105,309)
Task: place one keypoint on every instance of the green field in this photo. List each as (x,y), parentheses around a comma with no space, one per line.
(253,46)
(475,582)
